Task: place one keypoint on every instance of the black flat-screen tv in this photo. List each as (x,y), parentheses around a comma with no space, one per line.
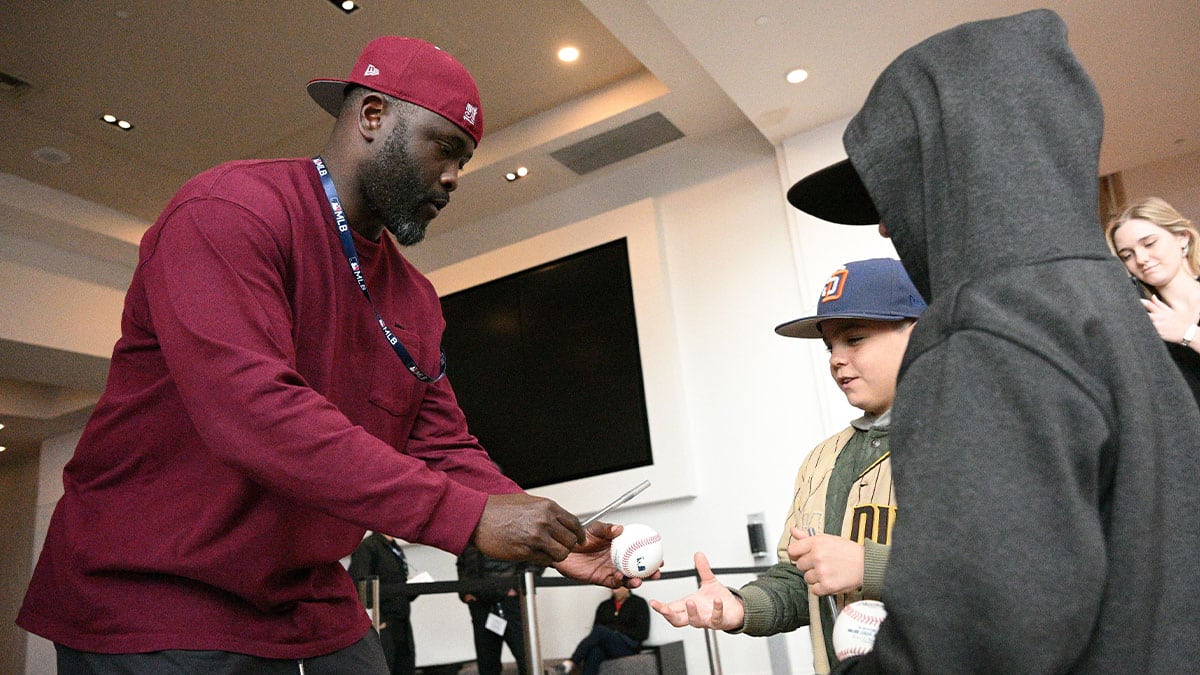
(546,366)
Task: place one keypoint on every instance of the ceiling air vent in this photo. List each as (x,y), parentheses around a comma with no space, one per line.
(617,144)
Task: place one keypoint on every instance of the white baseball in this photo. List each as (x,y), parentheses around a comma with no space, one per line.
(637,551)
(855,628)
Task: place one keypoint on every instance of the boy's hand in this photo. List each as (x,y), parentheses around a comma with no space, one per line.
(712,606)
(830,564)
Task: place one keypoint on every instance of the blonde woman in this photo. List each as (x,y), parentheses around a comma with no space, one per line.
(1161,250)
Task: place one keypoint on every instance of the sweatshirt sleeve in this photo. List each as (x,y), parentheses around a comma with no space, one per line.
(1000,556)
(775,602)
(875,560)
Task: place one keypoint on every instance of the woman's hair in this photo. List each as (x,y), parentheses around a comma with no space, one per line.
(1159,212)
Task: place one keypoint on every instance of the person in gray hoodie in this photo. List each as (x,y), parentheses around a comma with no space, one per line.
(1047,469)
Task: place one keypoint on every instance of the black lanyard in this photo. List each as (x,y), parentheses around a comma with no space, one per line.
(343,228)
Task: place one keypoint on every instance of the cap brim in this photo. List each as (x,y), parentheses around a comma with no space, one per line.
(800,328)
(836,194)
(328,94)
(807,327)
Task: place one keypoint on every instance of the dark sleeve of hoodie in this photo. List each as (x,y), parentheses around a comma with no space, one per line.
(1000,556)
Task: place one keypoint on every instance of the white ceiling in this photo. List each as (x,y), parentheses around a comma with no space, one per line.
(206,82)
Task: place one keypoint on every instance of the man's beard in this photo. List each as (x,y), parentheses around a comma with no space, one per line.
(390,183)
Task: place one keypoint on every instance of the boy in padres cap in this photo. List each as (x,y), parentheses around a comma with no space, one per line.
(263,409)
(844,490)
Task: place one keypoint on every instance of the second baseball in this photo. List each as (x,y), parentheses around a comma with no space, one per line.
(855,628)
(637,551)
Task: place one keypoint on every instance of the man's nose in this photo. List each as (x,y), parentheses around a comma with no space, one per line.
(450,178)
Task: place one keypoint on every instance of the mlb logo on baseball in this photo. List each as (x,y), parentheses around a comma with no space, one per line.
(855,628)
(637,551)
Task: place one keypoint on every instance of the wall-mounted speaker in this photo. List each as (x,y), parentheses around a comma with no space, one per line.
(757,535)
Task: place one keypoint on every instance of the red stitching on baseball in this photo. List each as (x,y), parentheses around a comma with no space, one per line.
(865,618)
(637,544)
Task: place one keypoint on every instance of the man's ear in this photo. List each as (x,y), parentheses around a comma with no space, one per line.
(371,111)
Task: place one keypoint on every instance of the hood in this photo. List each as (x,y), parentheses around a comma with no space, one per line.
(980,148)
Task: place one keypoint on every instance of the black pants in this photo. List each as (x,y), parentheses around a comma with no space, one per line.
(600,645)
(488,645)
(364,657)
(398,647)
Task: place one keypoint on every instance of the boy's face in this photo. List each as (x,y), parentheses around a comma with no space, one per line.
(864,359)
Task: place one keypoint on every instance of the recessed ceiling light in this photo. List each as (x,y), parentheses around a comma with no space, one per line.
(116,121)
(1,426)
(797,76)
(346,6)
(568,54)
(522,172)
(2,448)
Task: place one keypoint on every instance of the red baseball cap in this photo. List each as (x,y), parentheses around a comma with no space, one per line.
(411,70)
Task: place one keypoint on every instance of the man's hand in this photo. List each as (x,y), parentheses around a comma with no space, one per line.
(830,564)
(528,528)
(712,606)
(591,561)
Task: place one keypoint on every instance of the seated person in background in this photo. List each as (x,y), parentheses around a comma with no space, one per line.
(380,555)
(489,587)
(1161,249)
(844,487)
(622,624)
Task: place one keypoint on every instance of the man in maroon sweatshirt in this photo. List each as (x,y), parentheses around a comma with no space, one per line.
(276,391)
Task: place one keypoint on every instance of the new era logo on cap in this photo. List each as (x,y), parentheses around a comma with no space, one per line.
(469,114)
(371,70)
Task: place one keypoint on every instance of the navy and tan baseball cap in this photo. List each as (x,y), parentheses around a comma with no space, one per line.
(411,70)
(877,289)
